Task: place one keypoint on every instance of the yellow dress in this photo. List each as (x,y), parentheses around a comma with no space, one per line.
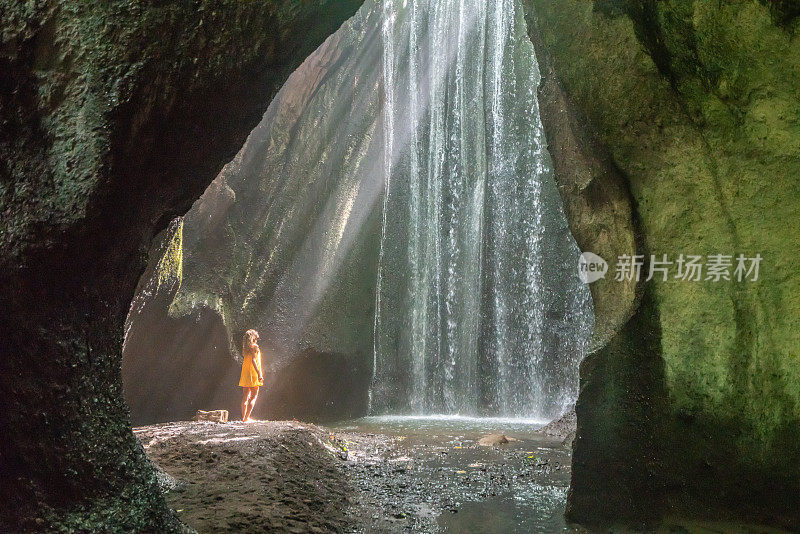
(251,369)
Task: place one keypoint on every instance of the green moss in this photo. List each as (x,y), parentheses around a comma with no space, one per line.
(699,106)
(78,64)
(169,271)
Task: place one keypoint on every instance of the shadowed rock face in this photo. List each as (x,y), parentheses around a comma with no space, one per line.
(691,406)
(115,117)
(174,366)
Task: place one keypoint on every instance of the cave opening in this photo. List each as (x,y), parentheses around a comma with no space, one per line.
(393,230)
(392,227)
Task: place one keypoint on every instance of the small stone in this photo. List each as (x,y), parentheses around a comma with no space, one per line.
(495,439)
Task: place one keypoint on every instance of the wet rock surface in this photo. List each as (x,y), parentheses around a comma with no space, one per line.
(425,483)
(689,405)
(494,440)
(562,428)
(358,476)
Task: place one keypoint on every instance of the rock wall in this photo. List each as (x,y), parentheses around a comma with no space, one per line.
(113,119)
(692,407)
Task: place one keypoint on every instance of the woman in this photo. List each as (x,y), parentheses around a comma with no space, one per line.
(251,378)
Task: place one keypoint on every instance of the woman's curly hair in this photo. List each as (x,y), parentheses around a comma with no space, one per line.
(249,337)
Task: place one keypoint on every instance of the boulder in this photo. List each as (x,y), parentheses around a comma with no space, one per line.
(562,427)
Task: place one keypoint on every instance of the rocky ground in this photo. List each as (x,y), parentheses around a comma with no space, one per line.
(294,477)
(259,477)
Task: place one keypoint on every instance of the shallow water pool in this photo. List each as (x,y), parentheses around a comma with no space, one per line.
(431,474)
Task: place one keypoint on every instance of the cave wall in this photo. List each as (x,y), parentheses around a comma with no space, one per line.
(615,455)
(113,119)
(263,248)
(692,406)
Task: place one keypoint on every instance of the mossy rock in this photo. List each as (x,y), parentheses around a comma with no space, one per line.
(698,105)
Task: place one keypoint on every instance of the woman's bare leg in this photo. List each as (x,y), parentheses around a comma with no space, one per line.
(245,402)
(252,403)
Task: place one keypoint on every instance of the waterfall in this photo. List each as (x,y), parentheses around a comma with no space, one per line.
(478,309)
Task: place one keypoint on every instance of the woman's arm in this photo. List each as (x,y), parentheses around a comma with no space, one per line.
(257,352)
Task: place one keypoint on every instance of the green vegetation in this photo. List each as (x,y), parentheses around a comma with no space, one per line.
(169,271)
